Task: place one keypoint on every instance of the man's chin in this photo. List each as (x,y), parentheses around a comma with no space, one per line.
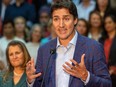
(63,38)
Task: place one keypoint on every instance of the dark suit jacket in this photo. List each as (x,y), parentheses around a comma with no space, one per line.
(94,61)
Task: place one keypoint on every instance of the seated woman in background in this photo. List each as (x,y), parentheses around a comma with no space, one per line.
(108,40)
(34,43)
(82,27)
(17,57)
(95,25)
(104,8)
(21,29)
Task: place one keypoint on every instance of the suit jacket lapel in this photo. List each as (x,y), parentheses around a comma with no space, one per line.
(79,50)
(53,63)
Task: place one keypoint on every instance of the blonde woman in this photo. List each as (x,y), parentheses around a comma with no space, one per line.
(17,57)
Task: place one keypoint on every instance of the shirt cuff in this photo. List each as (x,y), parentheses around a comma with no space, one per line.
(30,84)
(88,78)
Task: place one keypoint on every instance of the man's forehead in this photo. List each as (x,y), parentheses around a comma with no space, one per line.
(61,12)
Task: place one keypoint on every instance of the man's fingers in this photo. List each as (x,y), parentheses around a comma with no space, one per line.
(69,65)
(28,63)
(74,62)
(82,60)
(36,75)
(32,63)
(32,77)
(66,68)
(28,66)
(69,71)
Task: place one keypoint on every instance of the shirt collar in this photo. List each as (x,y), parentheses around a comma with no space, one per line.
(73,40)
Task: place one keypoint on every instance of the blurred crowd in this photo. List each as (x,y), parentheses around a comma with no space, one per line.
(29,21)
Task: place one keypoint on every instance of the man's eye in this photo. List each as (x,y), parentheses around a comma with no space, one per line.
(55,19)
(67,19)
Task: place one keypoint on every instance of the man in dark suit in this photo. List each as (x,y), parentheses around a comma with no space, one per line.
(21,8)
(3,6)
(77,62)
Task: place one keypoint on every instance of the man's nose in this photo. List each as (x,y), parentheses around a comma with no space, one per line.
(61,24)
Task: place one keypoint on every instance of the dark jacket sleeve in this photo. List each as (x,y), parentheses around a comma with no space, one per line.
(99,77)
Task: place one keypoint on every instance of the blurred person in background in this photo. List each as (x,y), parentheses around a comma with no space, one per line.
(21,8)
(52,33)
(113,4)
(8,35)
(104,7)
(0,27)
(108,40)
(84,8)
(34,43)
(95,25)
(76,2)
(2,66)
(44,17)
(37,4)
(21,30)
(17,57)
(3,6)
(82,27)
(12,1)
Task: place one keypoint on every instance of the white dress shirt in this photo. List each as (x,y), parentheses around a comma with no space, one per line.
(64,54)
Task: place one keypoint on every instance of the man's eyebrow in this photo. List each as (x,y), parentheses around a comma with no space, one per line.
(55,16)
(66,15)
(63,16)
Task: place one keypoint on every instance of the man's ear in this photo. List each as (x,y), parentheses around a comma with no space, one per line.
(75,21)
